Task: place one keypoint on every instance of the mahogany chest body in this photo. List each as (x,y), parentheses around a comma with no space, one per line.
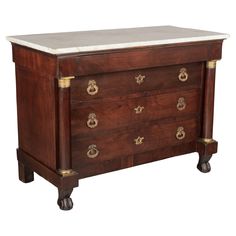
(87,110)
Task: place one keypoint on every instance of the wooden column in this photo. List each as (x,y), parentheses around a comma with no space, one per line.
(208,108)
(206,146)
(64,162)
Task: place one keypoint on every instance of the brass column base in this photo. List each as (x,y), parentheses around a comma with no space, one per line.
(67,172)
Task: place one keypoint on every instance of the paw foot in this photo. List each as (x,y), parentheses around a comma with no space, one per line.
(65,204)
(204,167)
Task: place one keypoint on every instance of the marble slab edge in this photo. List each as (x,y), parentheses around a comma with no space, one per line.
(60,51)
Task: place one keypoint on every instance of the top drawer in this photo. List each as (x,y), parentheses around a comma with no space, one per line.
(130,82)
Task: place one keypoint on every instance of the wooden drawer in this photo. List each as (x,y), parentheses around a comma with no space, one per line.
(135,58)
(130,82)
(91,117)
(86,169)
(99,148)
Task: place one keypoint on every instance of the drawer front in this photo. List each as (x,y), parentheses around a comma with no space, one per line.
(130,82)
(141,57)
(86,169)
(90,117)
(99,148)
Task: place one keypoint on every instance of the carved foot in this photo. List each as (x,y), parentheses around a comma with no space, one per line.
(65,204)
(204,167)
(203,164)
(205,148)
(26,175)
(64,201)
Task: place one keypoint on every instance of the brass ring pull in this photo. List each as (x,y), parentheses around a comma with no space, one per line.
(92,121)
(180,134)
(181,105)
(138,140)
(138,109)
(140,79)
(92,151)
(92,88)
(183,75)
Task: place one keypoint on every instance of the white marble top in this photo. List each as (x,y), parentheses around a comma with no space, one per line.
(81,41)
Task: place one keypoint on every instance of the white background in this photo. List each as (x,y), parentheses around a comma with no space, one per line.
(169,197)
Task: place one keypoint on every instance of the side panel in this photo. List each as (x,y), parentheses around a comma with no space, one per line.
(36,115)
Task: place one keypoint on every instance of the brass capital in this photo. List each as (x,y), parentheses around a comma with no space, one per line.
(211,64)
(64,82)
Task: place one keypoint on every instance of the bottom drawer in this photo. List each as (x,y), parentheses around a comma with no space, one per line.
(91,169)
(102,148)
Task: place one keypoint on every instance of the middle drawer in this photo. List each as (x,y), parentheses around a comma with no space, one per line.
(91,117)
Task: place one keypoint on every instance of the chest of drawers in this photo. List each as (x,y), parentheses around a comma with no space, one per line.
(98,101)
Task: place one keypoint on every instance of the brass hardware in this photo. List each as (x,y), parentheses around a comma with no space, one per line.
(64,82)
(92,87)
(207,140)
(67,172)
(211,64)
(183,75)
(138,140)
(140,79)
(180,133)
(92,151)
(92,121)
(181,105)
(138,109)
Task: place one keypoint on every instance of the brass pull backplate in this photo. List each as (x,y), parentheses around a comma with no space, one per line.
(181,104)
(92,121)
(92,88)
(180,133)
(92,151)
(183,75)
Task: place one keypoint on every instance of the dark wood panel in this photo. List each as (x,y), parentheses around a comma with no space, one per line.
(122,143)
(111,115)
(36,115)
(137,58)
(88,169)
(124,83)
(42,63)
